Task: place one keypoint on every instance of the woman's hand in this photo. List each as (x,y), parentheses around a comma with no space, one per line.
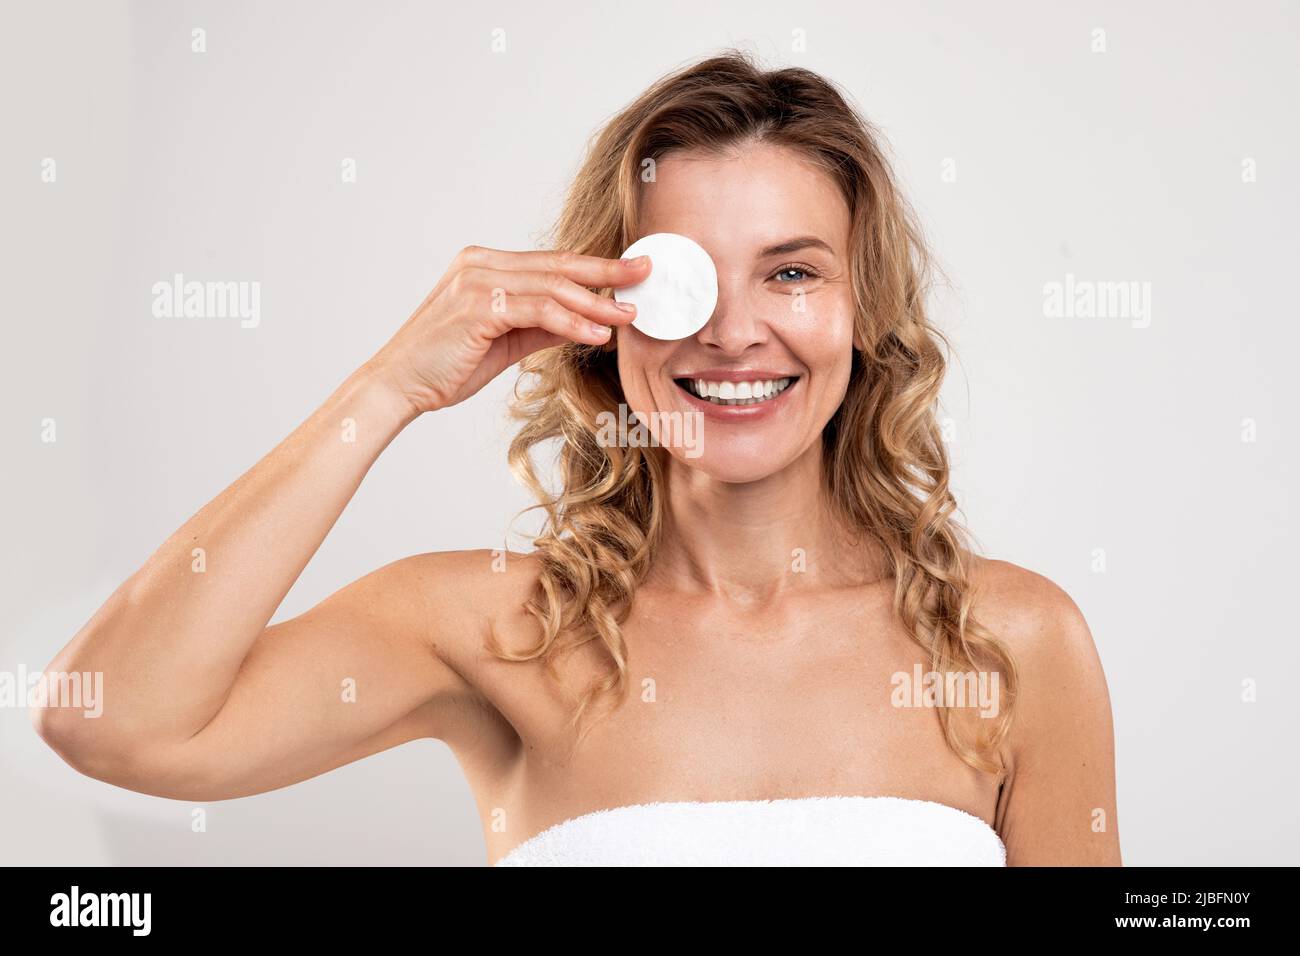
(491,309)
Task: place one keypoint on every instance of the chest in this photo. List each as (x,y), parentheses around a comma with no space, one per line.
(724,702)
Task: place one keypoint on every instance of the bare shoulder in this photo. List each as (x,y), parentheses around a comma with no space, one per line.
(1057,806)
(461,595)
(460,604)
(1061,679)
(1030,613)
(469,578)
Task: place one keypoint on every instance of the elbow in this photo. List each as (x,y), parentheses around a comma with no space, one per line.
(58,727)
(70,733)
(97,752)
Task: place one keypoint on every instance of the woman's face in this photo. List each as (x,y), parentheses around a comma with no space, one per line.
(777,229)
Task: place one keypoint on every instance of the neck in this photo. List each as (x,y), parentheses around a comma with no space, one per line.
(757,540)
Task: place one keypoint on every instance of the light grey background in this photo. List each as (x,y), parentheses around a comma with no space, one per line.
(1070,434)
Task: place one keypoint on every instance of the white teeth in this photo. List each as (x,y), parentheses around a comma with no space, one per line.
(738,393)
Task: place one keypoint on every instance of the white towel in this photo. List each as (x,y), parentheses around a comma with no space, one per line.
(802,831)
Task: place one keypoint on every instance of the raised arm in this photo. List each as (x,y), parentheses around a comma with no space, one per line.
(201,699)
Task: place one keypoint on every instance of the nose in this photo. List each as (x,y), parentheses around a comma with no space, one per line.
(733,327)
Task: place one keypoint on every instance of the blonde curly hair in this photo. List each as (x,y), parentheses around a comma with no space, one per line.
(885,466)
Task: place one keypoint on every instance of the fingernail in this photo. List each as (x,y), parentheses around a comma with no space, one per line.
(638,261)
(600,331)
(625,306)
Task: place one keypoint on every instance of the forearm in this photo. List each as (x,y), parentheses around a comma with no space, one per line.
(171,639)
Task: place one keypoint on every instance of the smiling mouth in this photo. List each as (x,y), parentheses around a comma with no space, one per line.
(736,393)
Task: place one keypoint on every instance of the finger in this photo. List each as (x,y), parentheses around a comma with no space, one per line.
(524,342)
(592,271)
(544,312)
(505,351)
(575,298)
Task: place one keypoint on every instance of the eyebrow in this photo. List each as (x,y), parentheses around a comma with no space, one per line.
(794,245)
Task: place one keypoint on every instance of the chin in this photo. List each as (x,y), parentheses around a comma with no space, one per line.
(736,462)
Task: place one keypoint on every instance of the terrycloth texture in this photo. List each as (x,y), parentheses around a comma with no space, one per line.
(809,831)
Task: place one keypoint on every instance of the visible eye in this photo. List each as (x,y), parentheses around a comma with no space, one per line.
(794,272)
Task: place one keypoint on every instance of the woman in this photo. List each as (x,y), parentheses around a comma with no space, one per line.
(747,651)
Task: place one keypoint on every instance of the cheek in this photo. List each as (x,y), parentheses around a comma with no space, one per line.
(822,338)
(639,363)
(831,380)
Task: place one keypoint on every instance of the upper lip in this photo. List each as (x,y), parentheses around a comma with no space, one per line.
(735,375)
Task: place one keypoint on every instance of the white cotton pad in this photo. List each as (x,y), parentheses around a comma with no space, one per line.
(682,291)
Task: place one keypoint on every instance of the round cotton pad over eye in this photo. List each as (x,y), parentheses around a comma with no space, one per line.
(679,296)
